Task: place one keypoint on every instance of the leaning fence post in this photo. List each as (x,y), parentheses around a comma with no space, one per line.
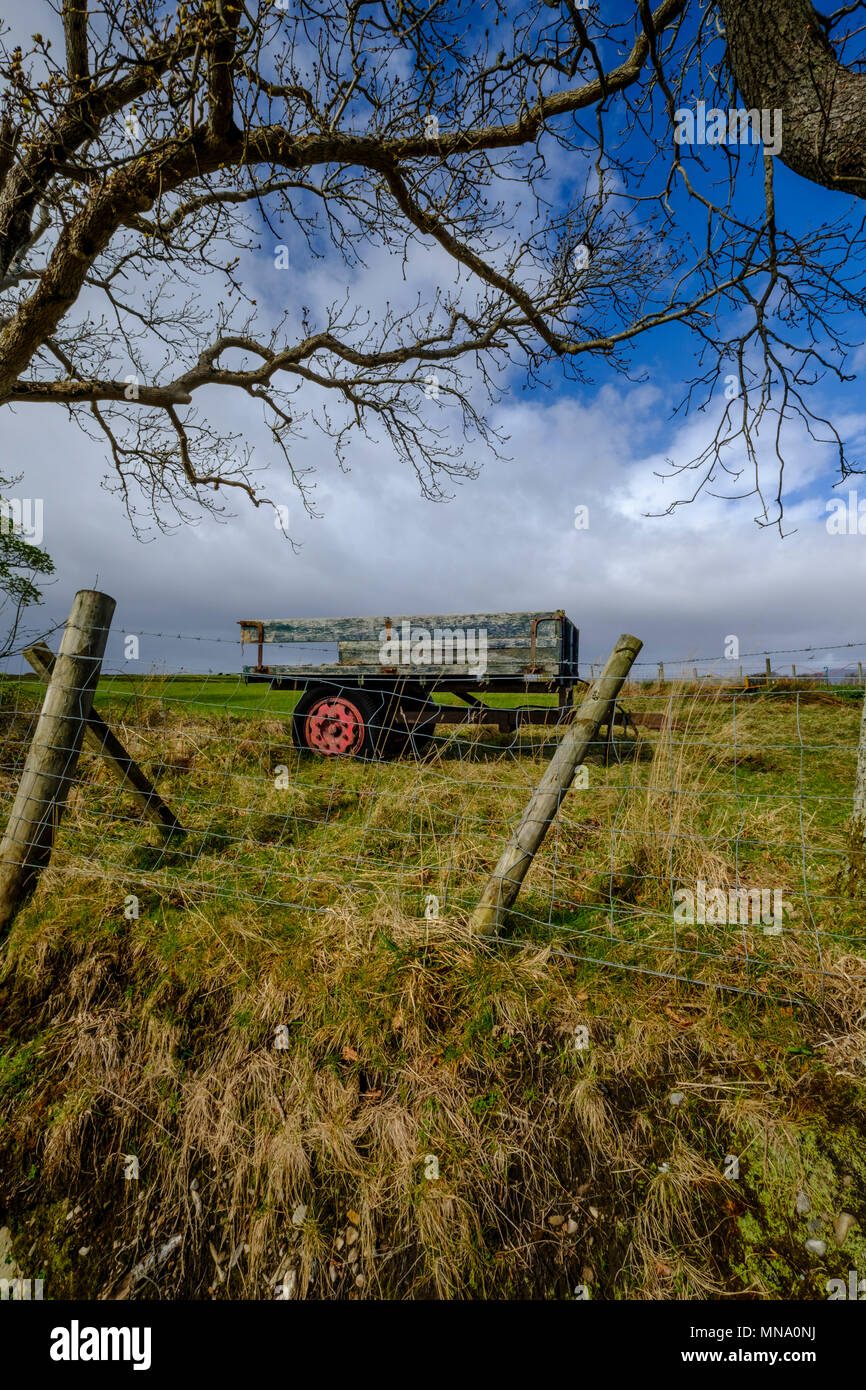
(99,738)
(597,707)
(50,766)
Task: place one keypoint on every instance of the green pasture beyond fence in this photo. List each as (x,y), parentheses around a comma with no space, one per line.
(708,842)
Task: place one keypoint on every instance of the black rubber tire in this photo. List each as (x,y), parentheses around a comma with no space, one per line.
(366,707)
(385,735)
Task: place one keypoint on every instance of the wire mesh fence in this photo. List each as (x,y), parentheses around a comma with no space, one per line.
(706,837)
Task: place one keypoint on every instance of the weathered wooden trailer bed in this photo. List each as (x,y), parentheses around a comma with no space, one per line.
(377,695)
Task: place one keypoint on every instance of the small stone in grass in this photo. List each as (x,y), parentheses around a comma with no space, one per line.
(816,1247)
(556,1221)
(571,1226)
(844,1221)
(802,1205)
(299,1215)
(351,1235)
(677,1097)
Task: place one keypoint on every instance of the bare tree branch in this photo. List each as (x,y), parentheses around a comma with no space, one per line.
(152,179)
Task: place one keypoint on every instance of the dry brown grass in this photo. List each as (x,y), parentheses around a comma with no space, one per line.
(397,1051)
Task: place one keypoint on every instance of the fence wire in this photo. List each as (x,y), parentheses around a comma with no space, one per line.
(707,837)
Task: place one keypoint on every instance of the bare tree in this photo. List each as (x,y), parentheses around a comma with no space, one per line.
(536,154)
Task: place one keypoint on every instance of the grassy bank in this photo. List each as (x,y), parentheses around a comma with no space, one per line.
(293,1051)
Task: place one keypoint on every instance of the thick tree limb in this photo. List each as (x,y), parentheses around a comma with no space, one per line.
(75,33)
(74,392)
(782,59)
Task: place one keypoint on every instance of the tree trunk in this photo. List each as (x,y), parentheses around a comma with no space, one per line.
(781,59)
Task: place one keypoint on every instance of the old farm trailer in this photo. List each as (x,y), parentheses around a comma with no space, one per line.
(376,697)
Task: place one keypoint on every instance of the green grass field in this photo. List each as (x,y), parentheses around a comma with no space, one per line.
(207,695)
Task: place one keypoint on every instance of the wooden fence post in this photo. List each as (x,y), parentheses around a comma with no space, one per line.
(597,708)
(51,760)
(99,738)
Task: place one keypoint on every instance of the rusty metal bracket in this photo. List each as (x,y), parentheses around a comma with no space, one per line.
(260,638)
(534,668)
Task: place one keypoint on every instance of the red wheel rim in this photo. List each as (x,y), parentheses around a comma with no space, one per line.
(335,726)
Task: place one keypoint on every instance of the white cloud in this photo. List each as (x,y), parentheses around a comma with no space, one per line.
(507,541)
